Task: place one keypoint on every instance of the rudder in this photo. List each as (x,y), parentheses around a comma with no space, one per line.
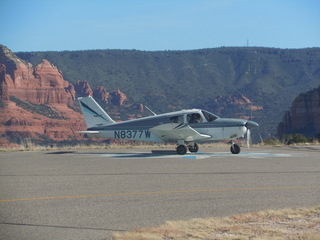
(93,114)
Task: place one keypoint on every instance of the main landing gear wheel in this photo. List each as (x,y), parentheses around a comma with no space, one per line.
(235,149)
(182,149)
(194,148)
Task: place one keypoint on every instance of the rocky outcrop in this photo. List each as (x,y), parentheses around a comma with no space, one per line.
(83,88)
(101,94)
(41,85)
(141,108)
(118,97)
(38,103)
(303,116)
(4,94)
(18,123)
(236,105)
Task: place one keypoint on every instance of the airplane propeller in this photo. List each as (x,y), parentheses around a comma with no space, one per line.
(250,125)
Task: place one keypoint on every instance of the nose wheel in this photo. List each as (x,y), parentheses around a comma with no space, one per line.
(235,148)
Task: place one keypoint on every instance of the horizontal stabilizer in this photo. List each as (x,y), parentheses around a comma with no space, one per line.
(89,132)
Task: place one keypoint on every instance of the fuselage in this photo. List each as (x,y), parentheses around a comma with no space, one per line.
(202,121)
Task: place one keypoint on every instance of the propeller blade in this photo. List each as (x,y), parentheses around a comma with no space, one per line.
(261,139)
(248,137)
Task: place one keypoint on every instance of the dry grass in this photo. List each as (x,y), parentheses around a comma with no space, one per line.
(29,145)
(291,224)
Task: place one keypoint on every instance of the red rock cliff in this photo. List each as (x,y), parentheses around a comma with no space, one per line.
(118,97)
(42,84)
(37,102)
(83,88)
(304,115)
(4,94)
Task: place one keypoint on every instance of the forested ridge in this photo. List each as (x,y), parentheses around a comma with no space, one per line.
(171,80)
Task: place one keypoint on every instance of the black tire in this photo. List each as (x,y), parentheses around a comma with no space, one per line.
(194,148)
(235,149)
(182,149)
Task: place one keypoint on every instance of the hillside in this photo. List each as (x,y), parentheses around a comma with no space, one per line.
(167,80)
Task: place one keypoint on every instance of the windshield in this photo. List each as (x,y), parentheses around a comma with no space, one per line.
(209,116)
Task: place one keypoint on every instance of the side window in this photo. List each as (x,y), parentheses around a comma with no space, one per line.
(177,119)
(194,118)
(209,116)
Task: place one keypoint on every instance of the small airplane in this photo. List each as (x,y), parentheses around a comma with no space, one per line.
(185,127)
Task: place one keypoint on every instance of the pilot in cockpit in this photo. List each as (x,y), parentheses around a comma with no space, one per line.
(195,118)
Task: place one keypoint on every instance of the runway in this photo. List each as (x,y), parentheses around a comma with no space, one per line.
(89,194)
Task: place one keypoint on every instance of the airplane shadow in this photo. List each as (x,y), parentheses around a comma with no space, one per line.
(151,154)
(166,154)
(61,152)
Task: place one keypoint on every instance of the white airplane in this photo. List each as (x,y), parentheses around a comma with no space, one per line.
(185,127)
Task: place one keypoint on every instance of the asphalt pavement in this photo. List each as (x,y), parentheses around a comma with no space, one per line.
(89,194)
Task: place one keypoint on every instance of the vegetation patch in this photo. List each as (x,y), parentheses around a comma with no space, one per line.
(3,104)
(296,138)
(41,109)
(74,108)
(292,224)
(292,139)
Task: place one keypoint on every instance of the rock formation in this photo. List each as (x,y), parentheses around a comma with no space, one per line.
(37,103)
(303,116)
(101,94)
(118,97)
(236,105)
(4,94)
(83,88)
(41,85)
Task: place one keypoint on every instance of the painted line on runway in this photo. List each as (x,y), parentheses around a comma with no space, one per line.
(161,192)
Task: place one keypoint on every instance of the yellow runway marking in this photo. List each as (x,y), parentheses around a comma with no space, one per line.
(160,192)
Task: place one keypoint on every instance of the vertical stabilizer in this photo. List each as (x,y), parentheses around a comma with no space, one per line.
(93,114)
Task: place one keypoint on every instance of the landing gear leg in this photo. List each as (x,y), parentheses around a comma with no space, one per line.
(235,148)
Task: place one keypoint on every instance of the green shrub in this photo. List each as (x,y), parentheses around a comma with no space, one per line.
(295,138)
(271,141)
(3,104)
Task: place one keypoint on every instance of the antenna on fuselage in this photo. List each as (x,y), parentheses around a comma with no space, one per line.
(150,111)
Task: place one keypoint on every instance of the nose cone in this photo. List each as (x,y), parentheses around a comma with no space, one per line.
(251,124)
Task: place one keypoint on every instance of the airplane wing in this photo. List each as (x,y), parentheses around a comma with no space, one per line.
(178,131)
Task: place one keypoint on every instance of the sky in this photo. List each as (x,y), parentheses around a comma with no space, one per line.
(58,25)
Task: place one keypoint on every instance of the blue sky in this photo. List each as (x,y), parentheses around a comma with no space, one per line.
(57,25)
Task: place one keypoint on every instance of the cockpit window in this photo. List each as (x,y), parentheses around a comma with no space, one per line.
(194,118)
(177,119)
(209,116)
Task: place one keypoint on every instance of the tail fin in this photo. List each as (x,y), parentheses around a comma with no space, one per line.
(93,114)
